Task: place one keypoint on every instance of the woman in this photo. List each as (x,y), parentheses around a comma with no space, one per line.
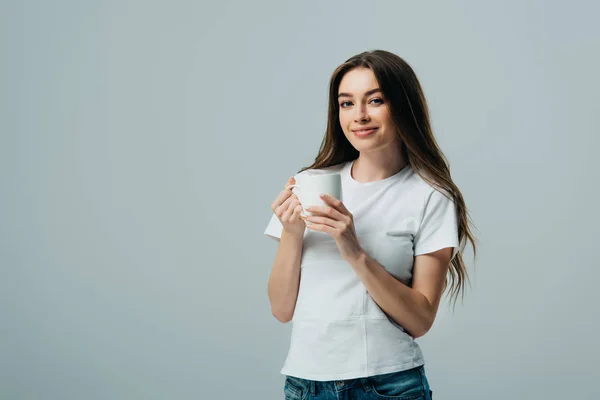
(365,277)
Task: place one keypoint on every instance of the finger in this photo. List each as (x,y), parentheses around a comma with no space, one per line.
(335,203)
(292,205)
(290,181)
(281,198)
(282,208)
(285,217)
(296,213)
(289,212)
(292,202)
(322,228)
(325,221)
(326,211)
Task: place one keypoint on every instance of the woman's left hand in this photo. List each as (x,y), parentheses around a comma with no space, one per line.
(336,220)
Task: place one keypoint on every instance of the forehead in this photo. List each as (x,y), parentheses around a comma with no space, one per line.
(358,81)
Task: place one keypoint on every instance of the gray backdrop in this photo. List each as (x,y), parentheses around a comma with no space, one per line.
(143,143)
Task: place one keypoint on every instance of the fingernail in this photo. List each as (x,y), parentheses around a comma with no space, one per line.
(322,195)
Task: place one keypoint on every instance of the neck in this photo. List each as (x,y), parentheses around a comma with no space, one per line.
(377,165)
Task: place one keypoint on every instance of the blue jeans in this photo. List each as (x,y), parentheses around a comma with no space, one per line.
(411,384)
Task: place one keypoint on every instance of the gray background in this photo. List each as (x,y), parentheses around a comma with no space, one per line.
(142,144)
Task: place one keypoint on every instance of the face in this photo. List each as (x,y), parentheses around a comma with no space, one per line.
(362,107)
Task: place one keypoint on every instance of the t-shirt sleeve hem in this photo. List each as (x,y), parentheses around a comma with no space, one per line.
(435,247)
(273,228)
(272,236)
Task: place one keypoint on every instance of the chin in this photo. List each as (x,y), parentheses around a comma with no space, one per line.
(367,147)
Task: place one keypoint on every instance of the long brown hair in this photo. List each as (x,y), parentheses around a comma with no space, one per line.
(408,107)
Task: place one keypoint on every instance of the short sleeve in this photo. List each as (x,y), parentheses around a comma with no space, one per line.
(439,226)
(274,228)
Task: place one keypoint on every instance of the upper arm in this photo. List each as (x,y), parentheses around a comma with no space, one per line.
(435,244)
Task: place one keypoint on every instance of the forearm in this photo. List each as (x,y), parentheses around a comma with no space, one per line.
(285,276)
(407,306)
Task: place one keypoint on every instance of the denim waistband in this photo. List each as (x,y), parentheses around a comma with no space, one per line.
(412,377)
(330,386)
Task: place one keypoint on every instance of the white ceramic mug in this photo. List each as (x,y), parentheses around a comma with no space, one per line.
(309,187)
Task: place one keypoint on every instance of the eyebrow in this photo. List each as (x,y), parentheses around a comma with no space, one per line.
(367,93)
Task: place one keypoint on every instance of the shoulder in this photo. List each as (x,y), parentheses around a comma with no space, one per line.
(422,189)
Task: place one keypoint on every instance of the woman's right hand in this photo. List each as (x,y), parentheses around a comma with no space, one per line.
(288,209)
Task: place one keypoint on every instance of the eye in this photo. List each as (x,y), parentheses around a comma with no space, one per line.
(344,102)
(378,100)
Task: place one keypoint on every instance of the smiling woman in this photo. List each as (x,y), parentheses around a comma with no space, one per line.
(362,276)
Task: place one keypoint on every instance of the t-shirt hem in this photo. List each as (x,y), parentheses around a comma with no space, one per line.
(353,375)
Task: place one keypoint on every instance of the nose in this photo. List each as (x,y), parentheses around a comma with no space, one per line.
(362,113)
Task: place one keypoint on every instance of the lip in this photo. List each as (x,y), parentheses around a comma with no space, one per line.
(364,131)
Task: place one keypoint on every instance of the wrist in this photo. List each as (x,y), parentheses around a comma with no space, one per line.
(293,234)
(358,258)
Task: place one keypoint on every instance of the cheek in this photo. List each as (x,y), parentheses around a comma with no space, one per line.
(382,114)
(344,120)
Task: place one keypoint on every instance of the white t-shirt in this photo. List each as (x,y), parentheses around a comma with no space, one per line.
(339,332)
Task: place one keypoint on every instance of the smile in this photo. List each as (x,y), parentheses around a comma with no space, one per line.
(364,132)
